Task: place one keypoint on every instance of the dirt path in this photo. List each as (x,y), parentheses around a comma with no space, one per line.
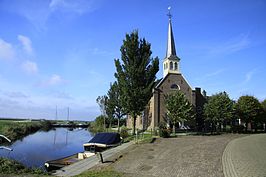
(182,156)
(245,157)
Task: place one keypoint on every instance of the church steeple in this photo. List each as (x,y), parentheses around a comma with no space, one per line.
(170,40)
(171,61)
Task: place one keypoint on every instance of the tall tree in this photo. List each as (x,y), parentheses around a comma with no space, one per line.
(102,102)
(249,109)
(218,109)
(136,74)
(179,109)
(114,103)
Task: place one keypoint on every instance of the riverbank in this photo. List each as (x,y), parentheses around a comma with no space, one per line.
(15,130)
(10,167)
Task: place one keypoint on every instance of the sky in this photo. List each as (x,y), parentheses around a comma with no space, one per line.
(60,53)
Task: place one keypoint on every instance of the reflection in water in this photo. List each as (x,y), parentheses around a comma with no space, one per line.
(39,147)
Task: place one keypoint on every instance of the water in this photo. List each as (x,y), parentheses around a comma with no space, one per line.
(34,150)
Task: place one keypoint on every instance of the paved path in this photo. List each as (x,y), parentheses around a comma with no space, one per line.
(88,163)
(189,156)
(245,157)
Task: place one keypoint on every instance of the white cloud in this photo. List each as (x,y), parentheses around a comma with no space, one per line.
(230,46)
(53,80)
(30,67)
(7,51)
(215,73)
(249,75)
(26,43)
(16,95)
(77,6)
(62,95)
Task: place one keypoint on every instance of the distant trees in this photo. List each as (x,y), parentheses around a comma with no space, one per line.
(218,109)
(179,109)
(114,103)
(136,74)
(102,102)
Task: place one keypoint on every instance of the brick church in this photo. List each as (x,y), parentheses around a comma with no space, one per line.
(172,80)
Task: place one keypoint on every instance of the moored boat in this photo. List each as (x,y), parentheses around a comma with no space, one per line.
(61,162)
(99,143)
(102,141)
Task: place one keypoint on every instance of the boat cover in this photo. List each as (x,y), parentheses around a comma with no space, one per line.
(105,140)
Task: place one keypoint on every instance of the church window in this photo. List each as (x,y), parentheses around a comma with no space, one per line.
(175,65)
(171,65)
(174,86)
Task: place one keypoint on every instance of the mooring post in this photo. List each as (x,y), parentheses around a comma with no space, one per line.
(100,157)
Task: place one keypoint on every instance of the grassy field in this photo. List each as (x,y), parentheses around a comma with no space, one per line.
(14,129)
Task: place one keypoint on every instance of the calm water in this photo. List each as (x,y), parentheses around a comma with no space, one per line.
(41,146)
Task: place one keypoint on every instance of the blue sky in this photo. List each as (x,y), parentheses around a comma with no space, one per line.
(61,52)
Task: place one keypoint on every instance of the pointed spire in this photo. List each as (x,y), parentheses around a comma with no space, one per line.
(170,40)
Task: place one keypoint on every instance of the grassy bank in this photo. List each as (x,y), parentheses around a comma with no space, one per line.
(15,130)
(11,167)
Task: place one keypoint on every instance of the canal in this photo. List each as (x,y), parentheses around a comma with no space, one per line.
(34,150)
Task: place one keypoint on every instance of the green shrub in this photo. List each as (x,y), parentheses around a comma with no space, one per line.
(124,133)
(165,133)
(237,128)
(162,125)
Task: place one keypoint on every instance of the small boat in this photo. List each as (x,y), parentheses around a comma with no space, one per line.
(99,143)
(59,163)
(102,141)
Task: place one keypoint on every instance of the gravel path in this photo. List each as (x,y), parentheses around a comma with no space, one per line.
(245,157)
(183,156)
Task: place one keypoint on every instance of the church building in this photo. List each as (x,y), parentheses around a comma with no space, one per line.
(172,80)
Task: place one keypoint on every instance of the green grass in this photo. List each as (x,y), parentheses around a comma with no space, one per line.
(15,130)
(12,167)
(101,173)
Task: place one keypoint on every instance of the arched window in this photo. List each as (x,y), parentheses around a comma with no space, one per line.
(166,66)
(171,65)
(174,86)
(175,65)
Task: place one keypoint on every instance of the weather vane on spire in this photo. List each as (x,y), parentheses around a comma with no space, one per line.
(169,13)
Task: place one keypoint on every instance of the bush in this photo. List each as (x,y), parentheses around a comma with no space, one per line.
(237,128)
(124,133)
(162,125)
(165,133)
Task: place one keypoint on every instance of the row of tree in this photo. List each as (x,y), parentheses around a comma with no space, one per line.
(220,110)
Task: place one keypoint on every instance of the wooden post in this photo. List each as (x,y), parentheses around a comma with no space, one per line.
(100,157)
